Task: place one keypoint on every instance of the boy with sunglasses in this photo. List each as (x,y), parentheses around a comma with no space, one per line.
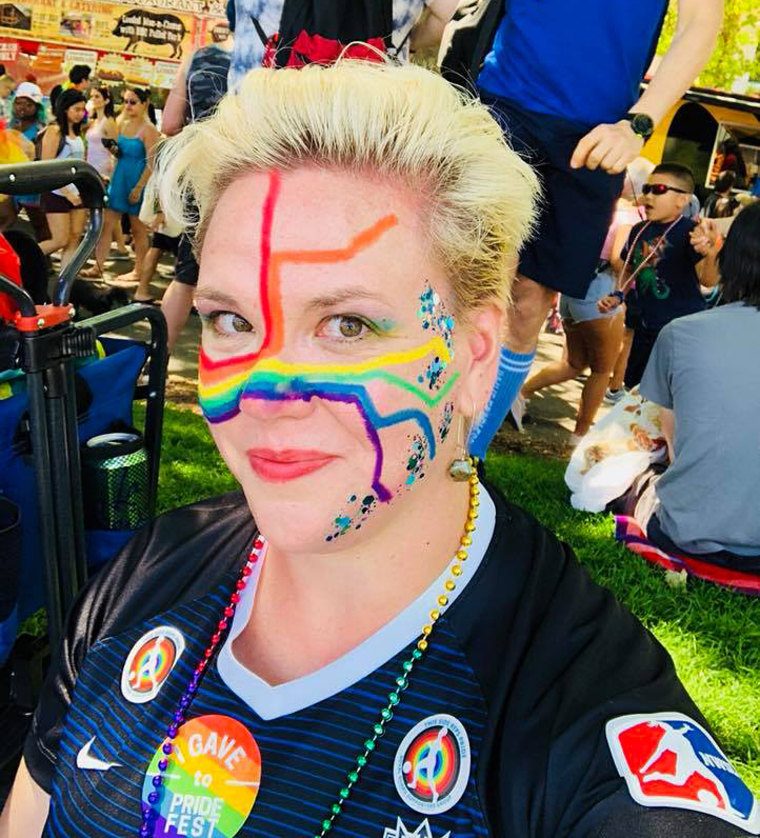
(666,259)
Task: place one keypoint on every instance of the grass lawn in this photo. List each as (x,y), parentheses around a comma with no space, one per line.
(713,635)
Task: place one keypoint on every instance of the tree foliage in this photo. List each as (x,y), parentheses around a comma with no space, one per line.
(728,61)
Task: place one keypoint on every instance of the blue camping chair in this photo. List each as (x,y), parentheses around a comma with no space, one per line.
(65,383)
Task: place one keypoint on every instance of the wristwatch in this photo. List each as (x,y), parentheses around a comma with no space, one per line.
(642,124)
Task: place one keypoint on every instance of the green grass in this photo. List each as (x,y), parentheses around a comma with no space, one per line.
(712,634)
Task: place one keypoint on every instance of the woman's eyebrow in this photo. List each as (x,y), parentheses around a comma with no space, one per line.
(343,296)
(218,297)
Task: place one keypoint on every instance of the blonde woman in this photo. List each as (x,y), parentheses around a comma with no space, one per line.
(391,648)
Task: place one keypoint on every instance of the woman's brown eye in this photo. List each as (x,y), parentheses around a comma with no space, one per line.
(241,325)
(227,322)
(350,327)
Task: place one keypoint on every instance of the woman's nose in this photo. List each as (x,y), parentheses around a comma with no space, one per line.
(276,405)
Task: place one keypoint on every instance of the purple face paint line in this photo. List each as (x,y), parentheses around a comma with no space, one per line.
(382,493)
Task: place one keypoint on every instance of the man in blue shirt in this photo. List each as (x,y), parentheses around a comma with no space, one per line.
(564,80)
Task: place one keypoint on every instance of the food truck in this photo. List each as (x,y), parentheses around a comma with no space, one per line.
(700,128)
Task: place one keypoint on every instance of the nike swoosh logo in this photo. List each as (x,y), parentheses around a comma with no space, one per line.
(88,762)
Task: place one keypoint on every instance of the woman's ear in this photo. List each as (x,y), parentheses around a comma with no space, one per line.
(484,335)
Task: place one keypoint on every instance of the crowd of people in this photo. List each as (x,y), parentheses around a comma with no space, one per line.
(83,121)
(371,635)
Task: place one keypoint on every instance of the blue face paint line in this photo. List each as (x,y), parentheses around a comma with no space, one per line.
(357,396)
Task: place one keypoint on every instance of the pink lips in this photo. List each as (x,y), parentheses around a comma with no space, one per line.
(287,464)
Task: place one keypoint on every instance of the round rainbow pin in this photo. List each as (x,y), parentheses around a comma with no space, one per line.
(150,662)
(432,764)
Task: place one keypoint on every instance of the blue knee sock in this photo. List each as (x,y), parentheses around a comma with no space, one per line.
(513,370)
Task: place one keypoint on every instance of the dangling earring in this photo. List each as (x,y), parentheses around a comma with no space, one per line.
(462,467)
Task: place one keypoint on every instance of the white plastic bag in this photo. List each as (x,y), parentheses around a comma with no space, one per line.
(619,448)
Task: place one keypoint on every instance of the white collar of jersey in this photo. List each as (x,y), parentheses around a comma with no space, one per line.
(273,702)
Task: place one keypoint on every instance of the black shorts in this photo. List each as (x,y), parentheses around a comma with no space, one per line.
(577,206)
(54,204)
(185,268)
(164,242)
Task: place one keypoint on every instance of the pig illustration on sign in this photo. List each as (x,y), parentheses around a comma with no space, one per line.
(151,28)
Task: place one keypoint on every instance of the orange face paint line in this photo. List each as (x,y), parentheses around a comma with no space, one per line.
(270,278)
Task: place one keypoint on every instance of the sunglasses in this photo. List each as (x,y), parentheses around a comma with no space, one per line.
(137,102)
(660,189)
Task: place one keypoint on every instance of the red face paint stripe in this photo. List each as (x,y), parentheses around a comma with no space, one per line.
(270,302)
(269,281)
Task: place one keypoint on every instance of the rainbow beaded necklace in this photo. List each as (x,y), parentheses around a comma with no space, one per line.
(149,814)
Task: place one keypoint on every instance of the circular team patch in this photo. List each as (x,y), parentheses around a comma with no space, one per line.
(432,764)
(149,663)
(211,782)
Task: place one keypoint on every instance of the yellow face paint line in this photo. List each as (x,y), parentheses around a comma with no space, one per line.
(435,346)
(209,392)
(300,370)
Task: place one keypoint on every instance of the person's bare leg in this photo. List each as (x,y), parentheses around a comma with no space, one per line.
(554,373)
(58,222)
(140,243)
(118,237)
(618,372)
(176,305)
(76,227)
(574,361)
(142,292)
(110,219)
(531,303)
(603,338)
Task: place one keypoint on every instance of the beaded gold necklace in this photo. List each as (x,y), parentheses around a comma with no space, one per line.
(149,814)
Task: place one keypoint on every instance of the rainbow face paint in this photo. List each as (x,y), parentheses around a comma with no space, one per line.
(224,384)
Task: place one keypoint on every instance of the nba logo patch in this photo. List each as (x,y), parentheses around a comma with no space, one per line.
(149,663)
(432,765)
(667,759)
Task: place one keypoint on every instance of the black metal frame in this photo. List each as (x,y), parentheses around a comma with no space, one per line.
(49,344)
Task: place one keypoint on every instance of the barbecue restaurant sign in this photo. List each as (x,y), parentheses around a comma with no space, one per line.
(166,30)
(214,8)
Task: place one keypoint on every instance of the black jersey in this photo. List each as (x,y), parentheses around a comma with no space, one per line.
(541,708)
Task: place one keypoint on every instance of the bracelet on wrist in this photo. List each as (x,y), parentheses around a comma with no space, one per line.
(618,294)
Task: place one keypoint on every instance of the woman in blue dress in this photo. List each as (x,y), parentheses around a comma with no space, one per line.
(133,150)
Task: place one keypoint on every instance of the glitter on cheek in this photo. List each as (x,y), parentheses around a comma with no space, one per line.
(444,426)
(433,373)
(434,317)
(417,460)
(357,512)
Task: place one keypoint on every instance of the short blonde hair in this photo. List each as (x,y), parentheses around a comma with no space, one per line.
(400,122)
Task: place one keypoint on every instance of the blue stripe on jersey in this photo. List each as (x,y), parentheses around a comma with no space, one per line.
(305,755)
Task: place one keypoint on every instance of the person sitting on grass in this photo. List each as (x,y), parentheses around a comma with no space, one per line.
(662,265)
(366,641)
(702,375)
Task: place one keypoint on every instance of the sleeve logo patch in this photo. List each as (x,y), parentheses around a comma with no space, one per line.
(667,759)
(149,663)
(432,765)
